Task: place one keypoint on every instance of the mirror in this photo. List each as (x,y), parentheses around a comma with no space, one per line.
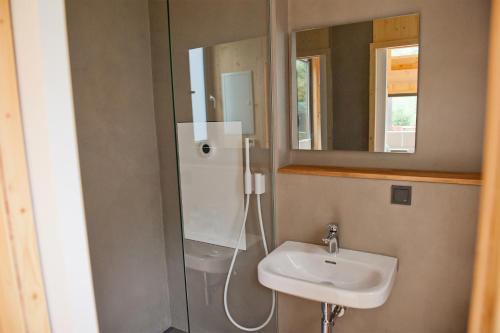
(355,86)
(228,84)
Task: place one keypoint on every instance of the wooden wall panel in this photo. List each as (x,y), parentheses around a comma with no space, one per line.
(396,28)
(485,305)
(22,297)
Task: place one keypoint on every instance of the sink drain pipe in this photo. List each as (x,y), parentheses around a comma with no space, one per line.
(330,313)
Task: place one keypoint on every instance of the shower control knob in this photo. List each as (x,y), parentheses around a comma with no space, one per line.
(205,148)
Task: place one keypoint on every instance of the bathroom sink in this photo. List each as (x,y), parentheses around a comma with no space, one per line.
(351,278)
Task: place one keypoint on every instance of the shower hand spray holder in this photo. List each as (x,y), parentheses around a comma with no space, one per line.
(259,180)
(260,183)
(248,173)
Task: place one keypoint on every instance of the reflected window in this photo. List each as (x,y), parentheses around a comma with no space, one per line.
(401,124)
(401,67)
(197,79)
(304,102)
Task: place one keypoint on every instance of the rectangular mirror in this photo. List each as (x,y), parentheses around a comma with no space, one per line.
(228,84)
(355,86)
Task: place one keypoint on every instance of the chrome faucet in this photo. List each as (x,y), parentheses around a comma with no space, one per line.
(332,239)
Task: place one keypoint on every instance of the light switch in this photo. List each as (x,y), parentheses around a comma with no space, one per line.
(401,195)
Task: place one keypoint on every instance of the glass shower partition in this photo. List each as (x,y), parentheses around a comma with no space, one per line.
(220,73)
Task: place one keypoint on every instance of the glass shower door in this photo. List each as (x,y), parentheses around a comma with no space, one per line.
(220,73)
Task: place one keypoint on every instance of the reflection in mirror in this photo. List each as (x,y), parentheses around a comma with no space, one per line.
(227,85)
(355,86)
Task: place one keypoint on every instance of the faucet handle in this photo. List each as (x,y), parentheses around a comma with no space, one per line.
(332,230)
(333,227)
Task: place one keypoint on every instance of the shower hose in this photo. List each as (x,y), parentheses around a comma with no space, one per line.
(231,267)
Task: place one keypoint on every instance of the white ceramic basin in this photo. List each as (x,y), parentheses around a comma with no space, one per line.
(352,278)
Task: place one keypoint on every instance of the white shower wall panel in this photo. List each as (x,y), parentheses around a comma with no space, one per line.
(212,182)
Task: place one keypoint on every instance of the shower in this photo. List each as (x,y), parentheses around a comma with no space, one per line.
(222,116)
(258,189)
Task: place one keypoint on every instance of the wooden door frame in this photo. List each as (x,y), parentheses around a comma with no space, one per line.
(23,307)
(484,316)
(44,84)
(22,296)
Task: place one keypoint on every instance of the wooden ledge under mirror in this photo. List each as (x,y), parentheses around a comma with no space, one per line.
(459,178)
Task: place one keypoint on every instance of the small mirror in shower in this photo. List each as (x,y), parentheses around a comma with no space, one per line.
(226,86)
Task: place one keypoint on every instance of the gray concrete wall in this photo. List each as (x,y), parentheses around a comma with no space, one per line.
(112,85)
(164,110)
(350,90)
(452,82)
(433,240)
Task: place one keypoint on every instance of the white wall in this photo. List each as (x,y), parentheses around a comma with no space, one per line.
(47,109)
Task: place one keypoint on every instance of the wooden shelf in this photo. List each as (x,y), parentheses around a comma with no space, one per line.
(385,174)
